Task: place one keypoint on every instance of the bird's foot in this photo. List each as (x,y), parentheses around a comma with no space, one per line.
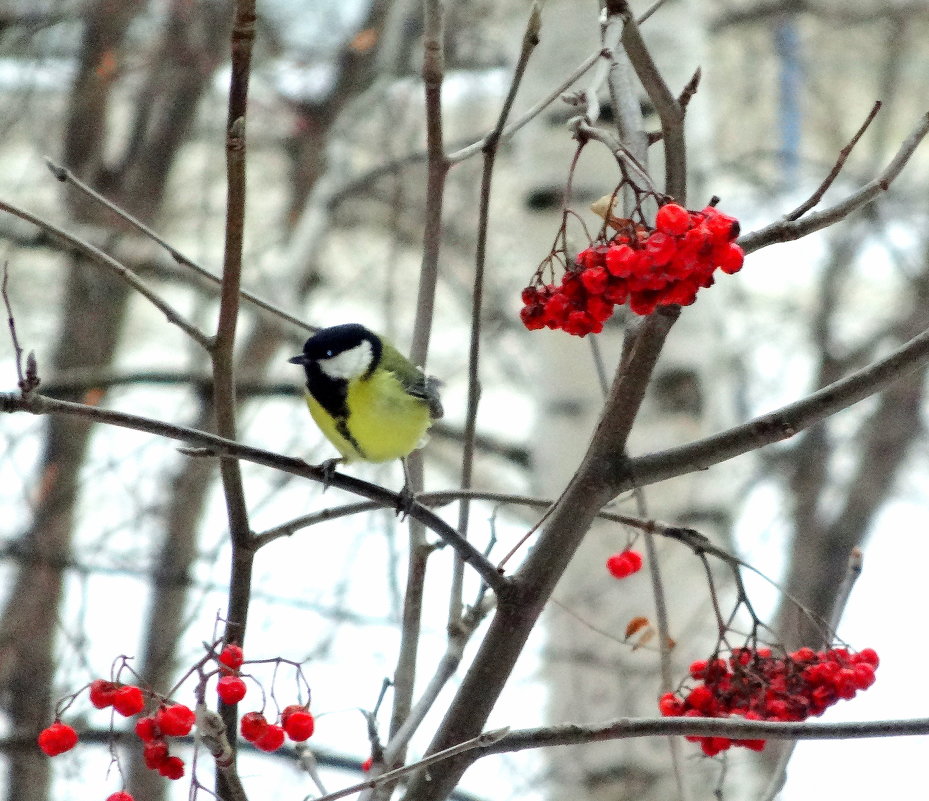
(328,467)
(405,500)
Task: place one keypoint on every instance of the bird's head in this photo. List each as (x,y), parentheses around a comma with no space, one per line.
(341,353)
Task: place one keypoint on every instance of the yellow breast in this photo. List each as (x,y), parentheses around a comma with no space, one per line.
(384,421)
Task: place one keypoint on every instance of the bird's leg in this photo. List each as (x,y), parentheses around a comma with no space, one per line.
(328,467)
(406,497)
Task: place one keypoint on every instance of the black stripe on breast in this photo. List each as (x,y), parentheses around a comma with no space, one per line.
(329,392)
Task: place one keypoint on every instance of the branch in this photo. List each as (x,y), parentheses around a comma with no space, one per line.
(669,110)
(738,728)
(66,176)
(97,256)
(214,445)
(782,423)
(481,742)
(529,42)
(788,230)
(530,114)
(844,153)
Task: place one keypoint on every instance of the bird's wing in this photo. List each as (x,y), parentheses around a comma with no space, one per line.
(415,382)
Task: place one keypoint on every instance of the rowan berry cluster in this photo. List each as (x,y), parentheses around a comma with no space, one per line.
(643,267)
(296,723)
(757,685)
(624,563)
(177,720)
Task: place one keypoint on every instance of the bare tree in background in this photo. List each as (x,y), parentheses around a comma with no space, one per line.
(354,218)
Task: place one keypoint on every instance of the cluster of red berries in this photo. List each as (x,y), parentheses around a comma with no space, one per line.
(230,688)
(756,685)
(296,723)
(624,563)
(174,720)
(645,268)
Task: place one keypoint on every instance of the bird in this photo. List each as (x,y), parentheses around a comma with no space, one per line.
(370,401)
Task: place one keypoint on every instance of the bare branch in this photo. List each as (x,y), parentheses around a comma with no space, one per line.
(666,105)
(531,113)
(97,256)
(782,423)
(788,230)
(224,448)
(481,742)
(844,153)
(572,734)
(66,176)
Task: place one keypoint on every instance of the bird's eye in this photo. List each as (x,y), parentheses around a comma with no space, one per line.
(328,354)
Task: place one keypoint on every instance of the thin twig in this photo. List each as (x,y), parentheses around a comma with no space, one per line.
(224,401)
(66,176)
(480,742)
(26,383)
(789,230)
(97,256)
(433,75)
(529,42)
(844,153)
(530,114)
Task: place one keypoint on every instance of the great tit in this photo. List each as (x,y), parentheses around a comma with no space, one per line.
(370,401)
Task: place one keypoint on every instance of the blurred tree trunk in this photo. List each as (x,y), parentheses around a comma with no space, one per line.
(94,308)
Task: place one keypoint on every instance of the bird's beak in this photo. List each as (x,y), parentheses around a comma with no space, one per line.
(301,359)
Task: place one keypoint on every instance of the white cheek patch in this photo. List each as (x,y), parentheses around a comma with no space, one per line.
(349,363)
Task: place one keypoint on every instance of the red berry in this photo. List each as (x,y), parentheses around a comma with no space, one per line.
(231,656)
(863,675)
(722,227)
(528,296)
(367,764)
(120,796)
(697,669)
(147,729)
(172,768)
(670,705)
(635,560)
(643,302)
(661,247)
(533,317)
(154,754)
(713,745)
(618,565)
(753,745)
(176,720)
(271,739)
(128,701)
(102,693)
(868,656)
(231,689)
(557,308)
(729,258)
(299,725)
(621,260)
(594,280)
(701,698)
(599,308)
(672,219)
(57,738)
(253,725)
